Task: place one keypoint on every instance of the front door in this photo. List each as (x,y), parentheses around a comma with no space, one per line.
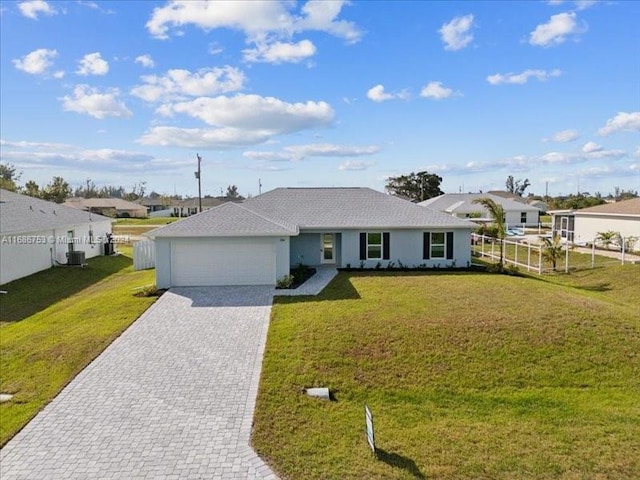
(327,248)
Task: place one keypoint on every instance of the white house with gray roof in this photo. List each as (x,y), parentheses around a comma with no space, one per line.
(462,205)
(36,234)
(258,241)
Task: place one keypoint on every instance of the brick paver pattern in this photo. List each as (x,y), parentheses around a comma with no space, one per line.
(171,398)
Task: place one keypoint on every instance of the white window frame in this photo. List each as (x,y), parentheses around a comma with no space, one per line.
(381,245)
(523,215)
(434,244)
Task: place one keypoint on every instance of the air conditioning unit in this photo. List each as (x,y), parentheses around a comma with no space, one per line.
(75,258)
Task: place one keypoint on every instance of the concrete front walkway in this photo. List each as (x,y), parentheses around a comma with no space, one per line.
(313,286)
(172,398)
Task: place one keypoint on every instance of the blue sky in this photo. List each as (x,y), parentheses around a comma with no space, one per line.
(322,93)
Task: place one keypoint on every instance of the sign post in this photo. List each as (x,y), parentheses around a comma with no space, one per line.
(368,418)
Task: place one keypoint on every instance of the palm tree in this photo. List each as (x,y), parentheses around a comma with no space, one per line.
(497,213)
(607,238)
(552,249)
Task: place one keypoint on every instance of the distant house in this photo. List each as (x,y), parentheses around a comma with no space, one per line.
(156,204)
(534,202)
(190,206)
(257,241)
(462,205)
(584,225)
(111,207)
(36,234)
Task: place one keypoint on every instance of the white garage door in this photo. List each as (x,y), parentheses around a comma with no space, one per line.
(223,262)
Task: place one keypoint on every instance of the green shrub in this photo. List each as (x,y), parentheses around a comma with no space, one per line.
(148,291)
(285,282)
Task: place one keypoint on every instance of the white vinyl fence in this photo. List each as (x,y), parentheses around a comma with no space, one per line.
(144,255)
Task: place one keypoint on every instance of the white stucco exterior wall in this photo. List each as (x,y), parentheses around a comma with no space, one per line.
(406,247)
(587,227)
(24,254)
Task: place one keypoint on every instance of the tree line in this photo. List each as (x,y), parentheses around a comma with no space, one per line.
(59,190)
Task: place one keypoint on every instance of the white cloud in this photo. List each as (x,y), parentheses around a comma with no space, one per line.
(215,48)
(455,34)
(178,84)
(523,77)
(145,60)
(215,138)
(280,52)
(73,156)
(33,8)
(564,136)
(58,74)
(300,152)
(256,113)
(584,4)
(37,145)
(591,147)
(355,165)
(436,91)
(580,4)
(637,153)
(377,94)
(36,62)
(92,64)
(258,19)
(91,101)
(331,150)
(556,30)
(623,121)
(238,121)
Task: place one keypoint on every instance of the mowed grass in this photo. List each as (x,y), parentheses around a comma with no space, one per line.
(468,375)
(54,323)
(577,260)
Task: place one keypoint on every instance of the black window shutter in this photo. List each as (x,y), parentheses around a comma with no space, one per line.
(385,245)
(363,246)
(449,245)
(426,246)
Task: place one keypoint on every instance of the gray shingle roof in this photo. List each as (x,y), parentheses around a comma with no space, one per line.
(24,214)
(227,220)
(348,208)
(117,203)
(462,203)
(284,211)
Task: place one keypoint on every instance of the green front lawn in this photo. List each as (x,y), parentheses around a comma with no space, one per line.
(468,375)
(54,323)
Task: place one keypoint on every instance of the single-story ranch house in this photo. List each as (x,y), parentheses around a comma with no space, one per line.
(462,205)
(583,226)
(257,242)
(113,207)
(36,234)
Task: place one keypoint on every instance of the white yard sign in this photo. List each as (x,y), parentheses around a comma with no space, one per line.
(368,418)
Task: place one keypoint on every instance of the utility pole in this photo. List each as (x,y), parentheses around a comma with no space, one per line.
(199,184)
(259,187)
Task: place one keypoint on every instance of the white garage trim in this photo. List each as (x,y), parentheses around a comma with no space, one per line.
(223,261)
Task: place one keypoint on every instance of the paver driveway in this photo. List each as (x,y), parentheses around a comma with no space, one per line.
(172,398)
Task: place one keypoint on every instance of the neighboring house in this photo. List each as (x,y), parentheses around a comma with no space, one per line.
(111,207)
(462,205)
(532,201)
(157,204)
(583,226)
(190,206)
(258,241)
(36,234)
